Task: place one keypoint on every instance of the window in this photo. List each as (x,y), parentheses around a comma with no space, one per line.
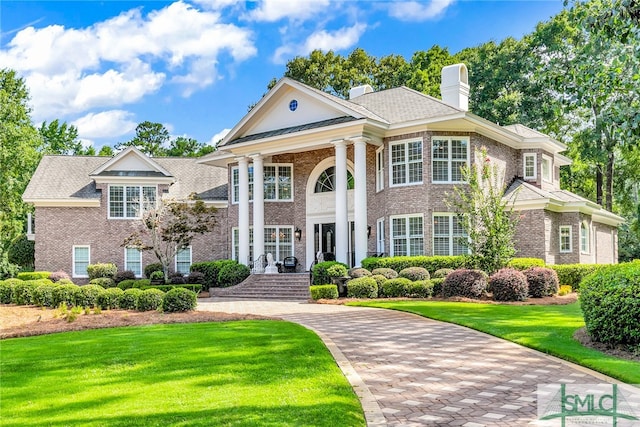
(406,163)
(407,237)
(236,244)
(183,260)
(380,236)
(133,260)
(565,239)
(326,182)
(584,237)
(235,183)
(449,155)
(547,164)
(380,169)
(530,166)
(81,259)
(278,241)
(277,183)
(448,235)
(125,200)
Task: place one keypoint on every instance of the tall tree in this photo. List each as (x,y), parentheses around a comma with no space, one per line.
(59,138)
(106,151)
(426,70)
(19,143)
(183,147)
(151,139)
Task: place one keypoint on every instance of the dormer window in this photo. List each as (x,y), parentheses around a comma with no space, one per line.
(547,168)
(130,201)
(530,166)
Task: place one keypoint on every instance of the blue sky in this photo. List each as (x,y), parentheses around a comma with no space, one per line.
(196,66)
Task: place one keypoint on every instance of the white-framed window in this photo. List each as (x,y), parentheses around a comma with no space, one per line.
(235,244)
(448,155)
(547,168)
(566,243)
(126,201)
(406,163)
(326,182)
(183,260)
(380,169)
(530,166)
(380,249)
(133,260)
(278,182)
(584,237)
(448,235)
(407,235)
(278,241)
(81,258)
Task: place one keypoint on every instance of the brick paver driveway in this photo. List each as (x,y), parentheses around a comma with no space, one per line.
(409,370)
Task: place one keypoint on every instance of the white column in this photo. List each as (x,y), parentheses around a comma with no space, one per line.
(342,218)
(360,199)
(243,210)
(258,207)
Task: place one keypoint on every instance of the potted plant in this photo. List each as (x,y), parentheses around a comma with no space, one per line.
(339,276)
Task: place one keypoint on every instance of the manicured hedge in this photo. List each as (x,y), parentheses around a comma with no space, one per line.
(165,288)
(33,275)
(572,274)
(129,299)
(362,287)
(320,274)
(421,289)
(96,271)
(232,274)
(509,284)
(542,281)
(395,288)
(179,299)
(524,263)
(211,271)
(465,283)
(415,273)
(110,298)
(324,292)
(150,299)
(398,263)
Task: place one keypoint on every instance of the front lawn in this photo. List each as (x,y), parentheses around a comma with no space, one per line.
(266,373)
(547,328)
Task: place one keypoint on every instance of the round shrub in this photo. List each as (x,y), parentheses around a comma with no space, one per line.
(509,284)
(129,298)
(610,304)
(43,295)
(437,287)
(395,288)
(150,299)
(337,270)
(421,289)
(151,268)
(362,287)
(177,279)
(542,281)
(157,275)
(6,290)
(320,274)
(379,278)
(388,273)
(414,273)
(23,292)
(441,273)
(465,283)
(124,275)
(64,294)
(87,296)
(104,282)
(56,276)
(127,284)
(110,298)
(358,272)
(324,292)
(65,282)
(232,274)
(96,271)
(179,299)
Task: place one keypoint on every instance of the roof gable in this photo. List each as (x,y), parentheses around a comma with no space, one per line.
(131,162)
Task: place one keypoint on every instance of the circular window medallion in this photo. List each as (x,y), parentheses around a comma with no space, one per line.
(293,105)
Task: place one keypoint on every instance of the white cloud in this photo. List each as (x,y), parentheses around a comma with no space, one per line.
(295,10)
(340,39)
(418,11)
(217,4)
(106,124)
(122,59)
(218,136)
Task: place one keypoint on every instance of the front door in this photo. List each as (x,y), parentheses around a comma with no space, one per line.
(325,240)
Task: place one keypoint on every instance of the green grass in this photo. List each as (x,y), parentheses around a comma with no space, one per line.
(547,328)
(248,373)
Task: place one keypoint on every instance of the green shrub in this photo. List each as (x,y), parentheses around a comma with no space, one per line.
(96,271)
(509,284)
(87,296)
(542,281)
(150,299)
(441,273)
(211,271)
(22,252)
(157,275)
(195,277)
(104,282)
(337,270)
(192,287)
(124,275)
(431,263)
(421,289)
(465,283)
(141,283)
(127,284)
(362,287)
(395,288)
(156,266)
(178,299)
(177,278)
(357,272)
(320,274)
(388,273)
(324,291)
(33,275)
(43,295)
(437,286)
(65,282)
(65,294)
(110,298)
(232,274)
(23,292)
(572,274)
(57,276)
(129,299)
(380,279)
(414,273)
(524,263)
(610,302)
(6,290)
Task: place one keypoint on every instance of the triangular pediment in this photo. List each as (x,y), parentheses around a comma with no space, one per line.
(131,162)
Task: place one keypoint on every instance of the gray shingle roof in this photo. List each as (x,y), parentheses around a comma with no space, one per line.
(67,177)
(525,131)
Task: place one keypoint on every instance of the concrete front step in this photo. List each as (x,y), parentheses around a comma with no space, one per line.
(268,286)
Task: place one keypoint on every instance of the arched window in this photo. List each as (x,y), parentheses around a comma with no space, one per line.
(327,181)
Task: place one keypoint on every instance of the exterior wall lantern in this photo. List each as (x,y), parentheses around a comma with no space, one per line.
(298,233)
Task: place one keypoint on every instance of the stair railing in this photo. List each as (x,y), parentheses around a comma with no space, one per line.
(258,266)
